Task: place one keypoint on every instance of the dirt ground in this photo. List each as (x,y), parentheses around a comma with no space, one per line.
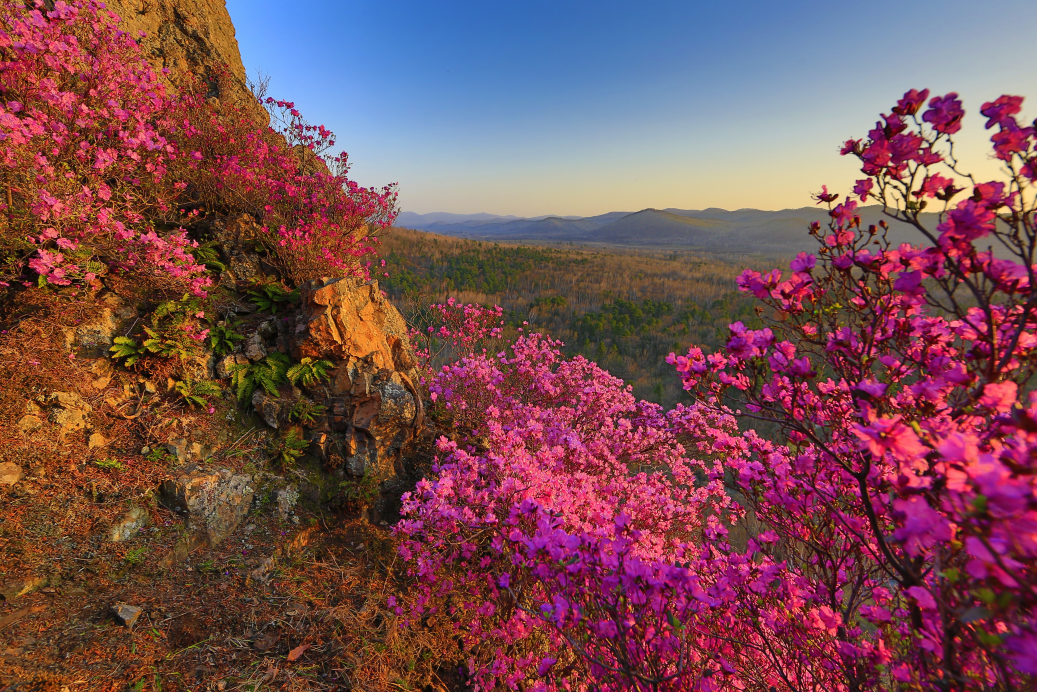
(287,602)
(315,620)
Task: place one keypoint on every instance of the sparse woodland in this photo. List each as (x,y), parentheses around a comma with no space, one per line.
(625,310)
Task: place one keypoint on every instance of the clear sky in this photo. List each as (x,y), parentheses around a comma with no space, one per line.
(567,107)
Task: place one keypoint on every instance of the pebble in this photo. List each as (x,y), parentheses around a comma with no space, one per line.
(126,614)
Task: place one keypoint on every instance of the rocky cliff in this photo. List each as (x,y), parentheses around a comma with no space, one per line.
(194,40)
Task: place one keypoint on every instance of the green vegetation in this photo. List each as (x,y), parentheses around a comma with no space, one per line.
(272,296)
(194,392)
(305,411)
(289,447)
(222,338)
(110,464)
(267,373)
(309,371)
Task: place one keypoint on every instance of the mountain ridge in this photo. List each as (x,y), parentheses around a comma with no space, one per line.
(742,230)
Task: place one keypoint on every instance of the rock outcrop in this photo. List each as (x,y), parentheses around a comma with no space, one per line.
(193,39)
(372,407)
(214,502)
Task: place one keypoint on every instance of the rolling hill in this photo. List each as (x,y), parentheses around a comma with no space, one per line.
(743,230)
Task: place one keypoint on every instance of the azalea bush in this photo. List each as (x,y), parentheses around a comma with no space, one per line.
(556,444)
(316,221)
(102,169)
(85,151)
(454,330)
(884,538)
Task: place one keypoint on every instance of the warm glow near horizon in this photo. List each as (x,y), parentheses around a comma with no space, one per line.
(580,108)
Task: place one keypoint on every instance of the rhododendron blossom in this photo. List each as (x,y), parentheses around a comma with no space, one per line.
(99,153)
(884,537)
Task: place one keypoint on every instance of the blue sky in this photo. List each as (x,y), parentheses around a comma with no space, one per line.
(581,108)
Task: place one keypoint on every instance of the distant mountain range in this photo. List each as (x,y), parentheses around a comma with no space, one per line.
(719,230)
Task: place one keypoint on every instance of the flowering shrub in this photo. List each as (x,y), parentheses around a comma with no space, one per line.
(454,328)
(84,148)
(894,518)
(319,222)
(902,380)
(101,166)
(548,445)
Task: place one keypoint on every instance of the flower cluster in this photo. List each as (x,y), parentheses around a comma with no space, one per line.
(455,330)
(318,221)
(901,378)
(85,146)
(884,536)
(101,166)
(550,449)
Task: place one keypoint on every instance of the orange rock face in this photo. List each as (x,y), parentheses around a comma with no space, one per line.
(194,40)
(350,319)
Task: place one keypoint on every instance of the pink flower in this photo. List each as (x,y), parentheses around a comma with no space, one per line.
(945,113)
(922,526)
(890,434)
(999,396)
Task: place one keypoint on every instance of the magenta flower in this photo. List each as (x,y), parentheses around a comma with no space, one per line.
(945,113)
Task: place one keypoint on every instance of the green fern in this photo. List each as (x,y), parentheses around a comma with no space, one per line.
(195,393)
(222,339)
(267,373)
(127,348)
(290,447)
(270,297)
(207,254)
(166,347)
(305,411)
(309,371)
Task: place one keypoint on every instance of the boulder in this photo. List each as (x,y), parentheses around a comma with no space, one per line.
(126,614)
(286,500)
(255,349)
(225,366)
(10,473)
(93,337)
(274,409)
(372,407)
(214,502)
(267,407)
(350,319)
(127,527)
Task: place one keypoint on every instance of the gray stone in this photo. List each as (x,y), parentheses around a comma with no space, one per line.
(215,502)
(94,337)
(126,614)
(255,349)
(365,457)
(266,329)
(10,473)
(127,527)
(398,404)
(267,407)
(286,500)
